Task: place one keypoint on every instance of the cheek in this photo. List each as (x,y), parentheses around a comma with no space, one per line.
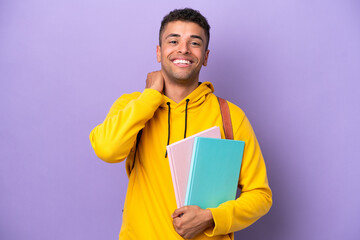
(166,52)
(200,56)
(199,53)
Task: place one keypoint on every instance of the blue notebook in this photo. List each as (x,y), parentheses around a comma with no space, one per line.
(214,171)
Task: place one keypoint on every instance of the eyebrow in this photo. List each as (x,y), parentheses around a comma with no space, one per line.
(172,35)
(178,35)
(197,36)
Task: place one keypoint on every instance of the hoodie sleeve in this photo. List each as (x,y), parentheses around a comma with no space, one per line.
(113,139)
(256,197)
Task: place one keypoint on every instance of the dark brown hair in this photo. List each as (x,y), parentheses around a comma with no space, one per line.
(186,15)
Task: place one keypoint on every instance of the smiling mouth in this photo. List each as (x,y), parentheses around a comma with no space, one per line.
(182,62)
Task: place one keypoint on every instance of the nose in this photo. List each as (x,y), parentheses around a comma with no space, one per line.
(183,48)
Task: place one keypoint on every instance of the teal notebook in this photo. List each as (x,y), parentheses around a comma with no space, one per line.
(214,171)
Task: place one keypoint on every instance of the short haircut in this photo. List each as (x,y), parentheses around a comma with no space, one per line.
(186,15)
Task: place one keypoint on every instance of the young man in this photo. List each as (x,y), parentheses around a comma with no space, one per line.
(175,105)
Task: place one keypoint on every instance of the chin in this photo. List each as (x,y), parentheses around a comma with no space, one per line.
(181,76)
(184,77)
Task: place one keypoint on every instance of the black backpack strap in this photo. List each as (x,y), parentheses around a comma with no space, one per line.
(225,114)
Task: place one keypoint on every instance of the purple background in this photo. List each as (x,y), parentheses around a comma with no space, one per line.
(292,66)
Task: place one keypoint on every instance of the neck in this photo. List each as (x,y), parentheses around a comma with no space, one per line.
(178,91)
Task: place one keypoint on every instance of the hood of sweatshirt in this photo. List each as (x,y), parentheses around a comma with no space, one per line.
(192,101)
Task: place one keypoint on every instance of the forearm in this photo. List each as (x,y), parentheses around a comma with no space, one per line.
(254,202)
(238,214)
(113,139)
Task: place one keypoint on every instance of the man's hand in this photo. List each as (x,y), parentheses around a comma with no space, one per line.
(155,80)
(189,221)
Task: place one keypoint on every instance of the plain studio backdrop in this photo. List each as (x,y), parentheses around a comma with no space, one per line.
(293,66)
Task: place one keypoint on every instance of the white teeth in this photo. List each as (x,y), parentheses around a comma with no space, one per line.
(177,61)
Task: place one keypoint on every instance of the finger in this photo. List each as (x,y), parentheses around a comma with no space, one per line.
(179,212)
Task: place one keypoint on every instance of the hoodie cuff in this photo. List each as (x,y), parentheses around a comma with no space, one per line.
(222,223)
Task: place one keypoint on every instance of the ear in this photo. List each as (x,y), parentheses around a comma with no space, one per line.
(206,57)
(158,53)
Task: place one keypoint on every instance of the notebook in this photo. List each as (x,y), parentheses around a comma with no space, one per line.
(214,171)
(179,155)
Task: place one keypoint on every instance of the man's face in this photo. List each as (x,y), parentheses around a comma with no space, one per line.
(182,52)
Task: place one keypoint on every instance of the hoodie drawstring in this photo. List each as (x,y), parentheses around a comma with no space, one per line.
(168,140)
(186,108)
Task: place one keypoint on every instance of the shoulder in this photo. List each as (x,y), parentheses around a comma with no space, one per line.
(236,111)
(241,125)
(121,102)
(127,97)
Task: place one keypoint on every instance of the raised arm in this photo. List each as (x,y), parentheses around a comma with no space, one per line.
(113,139)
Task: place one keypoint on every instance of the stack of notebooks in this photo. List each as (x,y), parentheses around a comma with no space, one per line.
(205,168)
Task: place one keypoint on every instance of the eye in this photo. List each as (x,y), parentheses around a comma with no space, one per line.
(195,43)
(173,42)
